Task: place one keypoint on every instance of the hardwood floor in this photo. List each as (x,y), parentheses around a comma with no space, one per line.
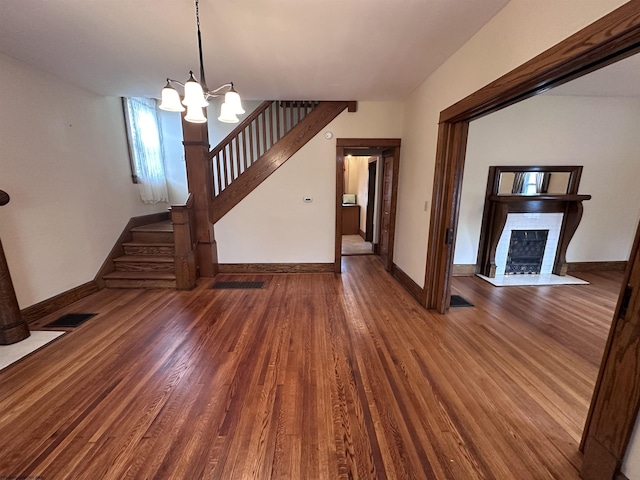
(316,376)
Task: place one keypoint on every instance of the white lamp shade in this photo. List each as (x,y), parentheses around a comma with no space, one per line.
(171,100)
(226,114)
(232,99)
(193,95)
(195,114)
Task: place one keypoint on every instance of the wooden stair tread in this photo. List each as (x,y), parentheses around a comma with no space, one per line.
(140,275)
(147,244)
(144,258)
(165,226)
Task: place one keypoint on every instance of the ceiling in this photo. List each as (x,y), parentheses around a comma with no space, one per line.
(271,49)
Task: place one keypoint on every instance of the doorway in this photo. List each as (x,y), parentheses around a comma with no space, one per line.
(616,399)
(365,215)
(360,202)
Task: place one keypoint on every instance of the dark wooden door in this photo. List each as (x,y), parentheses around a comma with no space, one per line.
(616,398)
(385,211)
(371,202)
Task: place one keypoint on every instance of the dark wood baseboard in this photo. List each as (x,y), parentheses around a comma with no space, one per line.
(44,308)
(363,235)
(464,270)
(376,249)
(621,476)
(275,268)
(596,266)
(407,282)
(126,236)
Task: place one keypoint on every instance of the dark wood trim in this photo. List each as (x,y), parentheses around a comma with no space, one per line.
(118,250)
(185,244)
(445,207)
(200,184)
(616,398)
(619,266)
(613,37)
(394,204)
(464,270)
(621,476)
(53,304)
(362,234)
(374,143)
(407,282)
(500,206)
(337,262)
(609,39)
(276,268)
(378,143)
(13,326)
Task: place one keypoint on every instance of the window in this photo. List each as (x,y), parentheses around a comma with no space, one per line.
(145,149)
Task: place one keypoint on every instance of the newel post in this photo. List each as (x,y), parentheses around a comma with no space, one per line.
(12,327)
(200,182)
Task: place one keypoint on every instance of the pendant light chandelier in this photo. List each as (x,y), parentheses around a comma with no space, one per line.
(196,94)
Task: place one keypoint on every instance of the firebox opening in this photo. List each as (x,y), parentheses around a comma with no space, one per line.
(526,252)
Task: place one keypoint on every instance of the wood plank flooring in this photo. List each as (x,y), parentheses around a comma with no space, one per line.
(317,376)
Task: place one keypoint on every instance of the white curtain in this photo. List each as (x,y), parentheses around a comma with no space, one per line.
(145,144)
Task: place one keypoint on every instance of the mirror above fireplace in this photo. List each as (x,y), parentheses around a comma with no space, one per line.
(536,180)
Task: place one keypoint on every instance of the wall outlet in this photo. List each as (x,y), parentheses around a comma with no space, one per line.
(307,199)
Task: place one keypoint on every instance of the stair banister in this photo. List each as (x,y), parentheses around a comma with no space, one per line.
(12,326)
(185,241)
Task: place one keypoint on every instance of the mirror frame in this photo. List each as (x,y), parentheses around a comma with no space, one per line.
(574,171)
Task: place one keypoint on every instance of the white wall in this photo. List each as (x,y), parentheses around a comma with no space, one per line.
(523,29)
(65,163)
(599,133)
(273,225)
(631,462)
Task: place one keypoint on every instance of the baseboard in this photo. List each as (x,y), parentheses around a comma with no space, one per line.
(621,476)
(376,248)
(44,308)
(596,266)
(464,270)
(363,235)
(407,282)
(275,268)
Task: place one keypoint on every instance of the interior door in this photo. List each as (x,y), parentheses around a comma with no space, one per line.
(385,211)
(616,398)
(371,202)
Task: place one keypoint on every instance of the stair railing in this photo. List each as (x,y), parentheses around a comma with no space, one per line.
(252,138)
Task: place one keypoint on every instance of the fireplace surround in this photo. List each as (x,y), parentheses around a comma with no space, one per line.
(531,194)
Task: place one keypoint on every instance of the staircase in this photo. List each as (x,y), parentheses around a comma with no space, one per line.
(163,254)
(148,260)
(259,145)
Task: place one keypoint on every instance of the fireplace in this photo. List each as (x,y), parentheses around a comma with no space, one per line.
(555,208)
(526,251)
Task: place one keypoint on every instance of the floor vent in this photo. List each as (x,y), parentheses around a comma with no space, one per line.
(458,301)
(237,285)
(70,320)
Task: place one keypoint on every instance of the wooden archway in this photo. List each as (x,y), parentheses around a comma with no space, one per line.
(616,399)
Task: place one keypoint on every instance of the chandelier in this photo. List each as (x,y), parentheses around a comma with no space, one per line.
(196,94)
